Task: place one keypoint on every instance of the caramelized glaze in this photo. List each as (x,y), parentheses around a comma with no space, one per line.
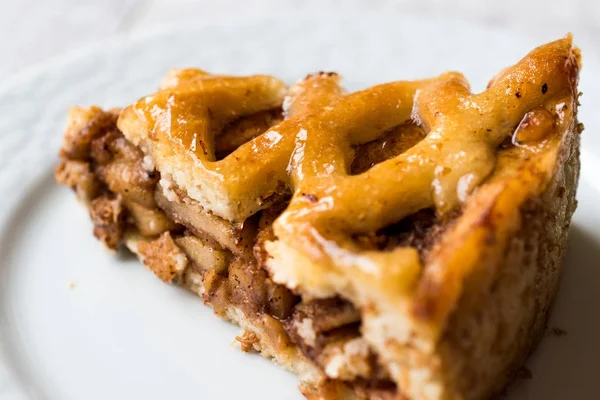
(312,149)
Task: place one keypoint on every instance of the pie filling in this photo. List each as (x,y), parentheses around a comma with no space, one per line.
(176,194)
(224,263)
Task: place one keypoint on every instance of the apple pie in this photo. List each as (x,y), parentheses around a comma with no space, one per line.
(399,242)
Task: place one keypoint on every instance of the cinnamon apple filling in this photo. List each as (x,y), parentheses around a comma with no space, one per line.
(223,262)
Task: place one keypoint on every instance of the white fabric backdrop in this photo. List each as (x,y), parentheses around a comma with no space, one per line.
(32,31)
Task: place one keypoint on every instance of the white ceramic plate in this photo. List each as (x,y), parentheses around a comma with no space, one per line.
(120,333)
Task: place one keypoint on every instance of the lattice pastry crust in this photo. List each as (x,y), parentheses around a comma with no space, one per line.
(498,171)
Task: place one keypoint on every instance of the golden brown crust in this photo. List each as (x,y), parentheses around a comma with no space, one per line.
(420,250)
(442,170)
(514,307)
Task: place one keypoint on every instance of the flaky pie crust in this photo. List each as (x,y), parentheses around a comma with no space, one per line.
(210,156)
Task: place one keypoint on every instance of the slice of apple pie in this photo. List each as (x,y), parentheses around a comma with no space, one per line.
(400,242)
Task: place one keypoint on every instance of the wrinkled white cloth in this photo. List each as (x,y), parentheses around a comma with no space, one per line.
(31,31)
